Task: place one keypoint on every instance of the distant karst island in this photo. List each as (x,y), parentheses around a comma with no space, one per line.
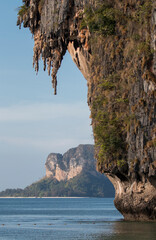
(72,174)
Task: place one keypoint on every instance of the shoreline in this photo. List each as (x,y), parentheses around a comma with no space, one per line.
(41,197)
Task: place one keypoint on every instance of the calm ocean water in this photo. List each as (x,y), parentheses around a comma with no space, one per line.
(68,219)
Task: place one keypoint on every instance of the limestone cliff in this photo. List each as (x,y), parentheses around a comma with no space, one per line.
(113,43)
(72,163)
(72,174)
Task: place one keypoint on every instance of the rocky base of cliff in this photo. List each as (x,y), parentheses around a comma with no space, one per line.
(136,201)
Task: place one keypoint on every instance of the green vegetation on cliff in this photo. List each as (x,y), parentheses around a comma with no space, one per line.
(22,10)
(108,128)
(119,61)
(100,20)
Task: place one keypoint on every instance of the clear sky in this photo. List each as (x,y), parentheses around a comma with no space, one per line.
(34,122)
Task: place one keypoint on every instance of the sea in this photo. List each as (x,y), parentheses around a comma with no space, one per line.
(68,219)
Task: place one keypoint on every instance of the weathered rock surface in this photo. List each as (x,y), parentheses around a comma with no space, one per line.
(72,163)
(113,44)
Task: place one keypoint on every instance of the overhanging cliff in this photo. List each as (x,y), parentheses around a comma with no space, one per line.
(113,43)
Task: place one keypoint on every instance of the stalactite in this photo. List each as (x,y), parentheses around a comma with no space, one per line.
(51,31)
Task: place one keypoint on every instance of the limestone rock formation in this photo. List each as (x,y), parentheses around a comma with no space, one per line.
(72,163)
(113,43)
(72,174)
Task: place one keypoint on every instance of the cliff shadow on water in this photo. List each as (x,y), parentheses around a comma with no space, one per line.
(113,43)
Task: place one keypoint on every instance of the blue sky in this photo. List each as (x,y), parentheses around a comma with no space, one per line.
(34,122)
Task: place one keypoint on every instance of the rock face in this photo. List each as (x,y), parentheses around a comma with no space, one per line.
(72,163)
(113,44)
